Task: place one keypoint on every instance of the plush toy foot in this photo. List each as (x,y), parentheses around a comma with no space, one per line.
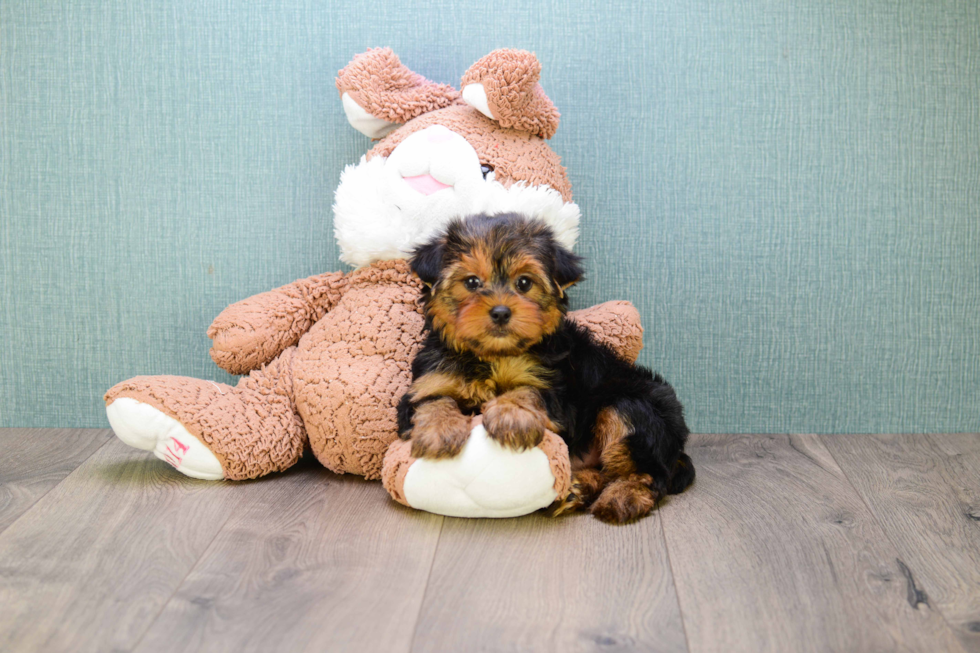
(484,480)
(144,427)
(251,429)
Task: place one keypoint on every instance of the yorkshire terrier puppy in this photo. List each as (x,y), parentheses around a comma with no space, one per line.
(499,343)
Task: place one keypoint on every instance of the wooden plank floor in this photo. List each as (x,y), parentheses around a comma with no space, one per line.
(924,490)
(785,543)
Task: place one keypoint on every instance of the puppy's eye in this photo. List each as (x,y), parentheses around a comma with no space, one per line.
(472,282)
(486,169)
(524,284)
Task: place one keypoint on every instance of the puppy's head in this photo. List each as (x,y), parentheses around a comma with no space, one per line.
(495,285)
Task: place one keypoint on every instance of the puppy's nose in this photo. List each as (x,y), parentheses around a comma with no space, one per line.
(500,315)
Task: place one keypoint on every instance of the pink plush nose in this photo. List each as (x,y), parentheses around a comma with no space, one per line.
(438,134)
(426,184)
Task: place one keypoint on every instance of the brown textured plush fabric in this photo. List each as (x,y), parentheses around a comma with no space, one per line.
(384,87)
(341,382)
(514,96)
(253,428)
(615,324)
(515,155)
(561,467)
(355,364)
(397,461)
(250,333)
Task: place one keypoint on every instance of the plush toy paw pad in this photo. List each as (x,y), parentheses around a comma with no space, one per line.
(484,480)
(144,427)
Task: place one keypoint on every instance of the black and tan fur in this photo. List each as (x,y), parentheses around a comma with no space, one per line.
(499,344)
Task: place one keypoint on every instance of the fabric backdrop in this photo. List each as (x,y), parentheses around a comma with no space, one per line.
(788,190)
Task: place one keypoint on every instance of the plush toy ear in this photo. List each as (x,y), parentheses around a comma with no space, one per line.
(504,87)
(568,268)
(427,261)
(379,93)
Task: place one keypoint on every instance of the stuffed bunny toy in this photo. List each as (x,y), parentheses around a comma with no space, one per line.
(327,358)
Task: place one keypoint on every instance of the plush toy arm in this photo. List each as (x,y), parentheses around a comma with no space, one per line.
(250,333)
(615,324)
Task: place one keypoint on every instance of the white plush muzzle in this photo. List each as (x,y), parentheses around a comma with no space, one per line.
(386,207)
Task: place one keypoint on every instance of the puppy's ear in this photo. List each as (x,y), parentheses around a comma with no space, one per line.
(567,270)
(427,261)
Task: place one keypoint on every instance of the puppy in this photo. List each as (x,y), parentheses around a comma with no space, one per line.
(499,343)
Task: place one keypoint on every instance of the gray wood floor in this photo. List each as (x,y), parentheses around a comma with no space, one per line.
(785,543)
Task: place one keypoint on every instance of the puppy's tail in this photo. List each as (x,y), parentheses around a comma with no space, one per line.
(682,475)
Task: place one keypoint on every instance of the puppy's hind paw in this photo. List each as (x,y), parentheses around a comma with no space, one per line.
(586,486)
(571,503)
(625,499)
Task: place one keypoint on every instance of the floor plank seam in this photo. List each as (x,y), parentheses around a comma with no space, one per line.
(883,527)
(190,570)
(58,484)
(428,579)
(673,579)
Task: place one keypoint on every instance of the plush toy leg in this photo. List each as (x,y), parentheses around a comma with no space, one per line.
(144,427)
(484,480)
(249,430)
(351,410)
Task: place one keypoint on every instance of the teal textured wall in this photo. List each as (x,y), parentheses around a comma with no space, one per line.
(788,190)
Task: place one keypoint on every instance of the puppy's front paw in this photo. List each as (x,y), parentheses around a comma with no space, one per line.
(439,430)
(517,419)
(625,499)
